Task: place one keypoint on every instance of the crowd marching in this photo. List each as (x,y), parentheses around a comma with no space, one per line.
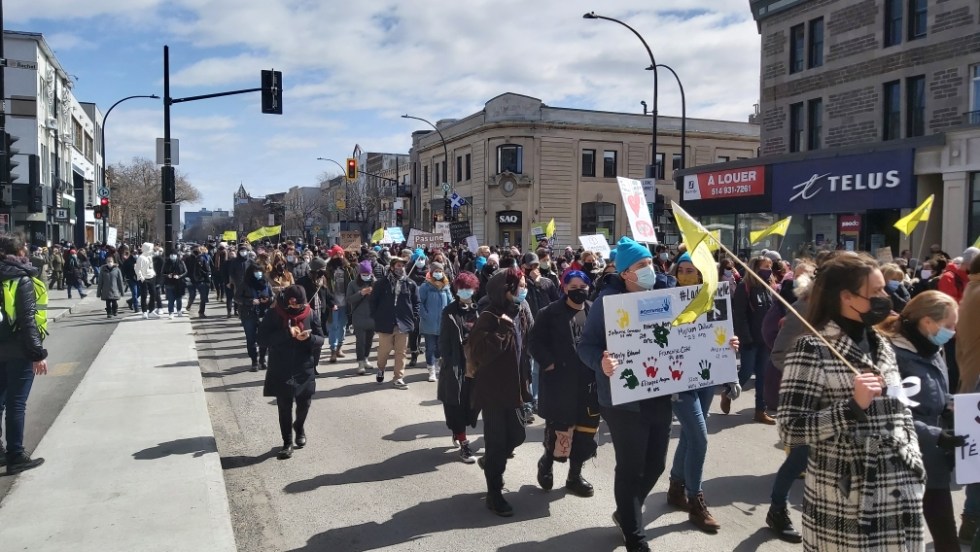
(510,335)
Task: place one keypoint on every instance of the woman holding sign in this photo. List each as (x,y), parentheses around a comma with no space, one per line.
(865,479)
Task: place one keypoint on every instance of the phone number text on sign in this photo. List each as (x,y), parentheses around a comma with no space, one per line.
(731,190)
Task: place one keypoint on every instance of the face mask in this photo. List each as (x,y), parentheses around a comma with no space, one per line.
(366,277)
(578,296)
(892,285)
(663,256)
(942,336)
(926,274)
(419,264)
(521,295)
(290,258)
(589,267)
(545,265)
(765,274)
(437,275)
(465,294)
(881,307)
(173,257)
(646,277)
(399,271)
(687,279)
(258,275)
(242,252)
(728,273)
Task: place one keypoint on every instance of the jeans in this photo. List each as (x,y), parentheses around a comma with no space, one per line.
(971,506)
(691,409)
(251,327)
(111,306)
(203,288)
(174,298)
(431,349)
(790,471)
(754,360)
(363,340)
(134,289)
(230,301)
(338,327)
(16,378)
(77,284)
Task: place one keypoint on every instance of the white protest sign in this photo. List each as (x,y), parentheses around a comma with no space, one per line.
(636,210)
(443,227)
(111,235)
(395,234)
(966,422)
(472,244)
(597,243)
(656,358)
(411,237)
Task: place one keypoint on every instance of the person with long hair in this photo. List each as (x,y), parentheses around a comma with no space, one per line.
(454,387)
(865,478)
(751,301)
(256,298)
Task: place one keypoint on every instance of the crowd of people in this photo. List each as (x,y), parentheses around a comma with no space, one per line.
(507,335)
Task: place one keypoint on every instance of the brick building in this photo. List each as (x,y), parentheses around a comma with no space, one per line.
(862,88)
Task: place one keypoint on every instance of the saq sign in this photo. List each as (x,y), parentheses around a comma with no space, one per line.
(878,180)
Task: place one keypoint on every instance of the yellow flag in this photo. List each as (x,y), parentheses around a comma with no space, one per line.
(977,243)
(908,223)
(230,235)
(378,235)
(714,241)
(550,229)
(270,231)
(255,235)
(698,241)
(781,227)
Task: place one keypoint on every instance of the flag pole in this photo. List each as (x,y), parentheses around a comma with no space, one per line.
(922,244)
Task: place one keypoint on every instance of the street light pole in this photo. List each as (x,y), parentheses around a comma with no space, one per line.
(105,158)
(343,171)
(445,149)
(652,167)
(683,116)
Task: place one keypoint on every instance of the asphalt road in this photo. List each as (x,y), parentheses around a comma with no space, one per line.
(74,342)
(380,473)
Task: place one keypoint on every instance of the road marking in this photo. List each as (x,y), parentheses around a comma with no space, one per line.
(62,369)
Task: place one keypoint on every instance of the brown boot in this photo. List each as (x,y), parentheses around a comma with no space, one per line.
(726,404)
(333,356)
(676,496)
(763,418)
(700,516)
(340,354)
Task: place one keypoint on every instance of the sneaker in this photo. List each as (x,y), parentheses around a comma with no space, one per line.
(255,366)
(432,374)
(380,377)
(171,316)
(361,367)
(146,316)
(400,384)
(779,521)
(22,462)
(155,313)
(181,313)
(465,453)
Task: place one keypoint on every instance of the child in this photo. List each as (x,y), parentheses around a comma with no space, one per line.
(111,287)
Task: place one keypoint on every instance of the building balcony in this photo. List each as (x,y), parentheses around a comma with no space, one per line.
(971,118)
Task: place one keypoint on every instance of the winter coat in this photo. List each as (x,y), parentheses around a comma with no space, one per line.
(933,397)
(865,478)
(432,301)
(553,344)
(73,270)
(200,271)
(291,361)
(899,295)
(394,305)
(174,274)
(320,300)
(499,364)
(360,305)
(953,282)
(749,307)
(255,289)
(968,337)
(457,323)
(28,339)
(338,276)
(128,267)
(144,264)
(540,294)
(111,284)
(57,262)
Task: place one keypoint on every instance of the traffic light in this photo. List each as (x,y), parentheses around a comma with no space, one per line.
(272,92)
(104,207)
(351,168)
(97,211)
(35,199)
(398,217)
(9,152)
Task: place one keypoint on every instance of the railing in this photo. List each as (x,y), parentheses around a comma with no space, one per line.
(971,118)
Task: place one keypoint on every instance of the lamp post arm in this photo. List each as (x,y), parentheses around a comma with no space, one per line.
(105,158)
(445,149)
(683,115)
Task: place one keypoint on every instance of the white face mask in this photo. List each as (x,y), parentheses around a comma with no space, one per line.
(925,274)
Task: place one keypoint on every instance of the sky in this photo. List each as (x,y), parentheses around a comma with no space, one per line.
(351,69)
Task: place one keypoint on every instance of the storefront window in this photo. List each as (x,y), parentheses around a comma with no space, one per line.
(724,224)
(753,222)
(599,218)
(974,208)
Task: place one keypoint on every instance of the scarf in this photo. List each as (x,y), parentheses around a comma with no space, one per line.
(292,319)
(438,284)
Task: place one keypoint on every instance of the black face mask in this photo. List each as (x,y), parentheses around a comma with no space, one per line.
(578,296)
(881,307)
(589,267)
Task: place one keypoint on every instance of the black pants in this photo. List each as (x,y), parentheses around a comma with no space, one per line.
(150,296)
(286,425)
(111,306)
(640,440)
(937,506)
(458,416)
(363,341)
(503,431)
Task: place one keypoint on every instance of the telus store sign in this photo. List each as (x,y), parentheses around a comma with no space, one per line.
(855,183)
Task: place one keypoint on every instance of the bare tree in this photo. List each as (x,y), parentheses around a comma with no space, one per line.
(305,207)
(136,193)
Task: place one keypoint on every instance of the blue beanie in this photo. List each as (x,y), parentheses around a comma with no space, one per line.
(684,258)
(418,254)
(628,252)
(479,263)
(612,255)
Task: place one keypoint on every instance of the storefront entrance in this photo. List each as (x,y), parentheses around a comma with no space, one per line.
(510,228)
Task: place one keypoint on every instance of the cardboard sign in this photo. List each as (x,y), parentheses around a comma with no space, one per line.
(352,237)
(884,255)
(636,210)
(443,228)
(428,241)
(966,421)
(472,244)
(539,234)
(597,243)
(395,234)
(657,359)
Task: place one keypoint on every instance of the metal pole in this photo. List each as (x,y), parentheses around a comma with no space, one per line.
(3,130)
(168,212)
(683,116)
(104,157)
(445,150)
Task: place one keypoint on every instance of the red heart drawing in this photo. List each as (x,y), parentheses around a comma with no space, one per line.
(635,202)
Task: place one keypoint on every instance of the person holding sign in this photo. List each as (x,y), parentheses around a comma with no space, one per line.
(918,335)
(865,479)
(640,430)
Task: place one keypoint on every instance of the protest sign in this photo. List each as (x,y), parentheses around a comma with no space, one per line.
(443,228)
(458,231)
(395,234)
(410,243)
(350,237)
(966,422)
(636,210)
(539,234)
(656,358)
(597,243)
(472,244)
(884,255)
(428,241)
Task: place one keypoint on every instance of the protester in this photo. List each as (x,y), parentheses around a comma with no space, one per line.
(416,271)
(751,301)
(359,301)
(434,296)
(395,307)
(454,387)
(111,287)
(338,275)
(895,286)
(174,271)
(968,357)
(57,269)
(74,276)
(145,276)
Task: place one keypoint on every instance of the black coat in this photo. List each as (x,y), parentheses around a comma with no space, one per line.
(28,338)
(553,343)
(289,359)
(390,311)
(750,304)
(456,325)
(540,294)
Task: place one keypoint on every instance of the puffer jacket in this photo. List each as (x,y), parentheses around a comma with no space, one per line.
(432,300)
(28,338)
(111,284)
(144,264)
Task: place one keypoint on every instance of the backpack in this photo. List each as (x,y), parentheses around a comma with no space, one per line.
(8,309)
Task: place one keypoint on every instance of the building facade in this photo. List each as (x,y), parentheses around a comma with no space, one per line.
(867,108)
(519,163)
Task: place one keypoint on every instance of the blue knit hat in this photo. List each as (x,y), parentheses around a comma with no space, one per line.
(479,263)
(612,255)
(628,252)
(685,258)
(418,254)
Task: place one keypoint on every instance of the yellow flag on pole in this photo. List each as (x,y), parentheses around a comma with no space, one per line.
(549,230)
(977,243)
(378,235)
(780,227)
(270,231)
(230,235)
(714,241)
(255,235)
(921,213)
(698,241)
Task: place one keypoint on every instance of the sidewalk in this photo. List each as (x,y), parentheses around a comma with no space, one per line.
(59,304)
(131,461)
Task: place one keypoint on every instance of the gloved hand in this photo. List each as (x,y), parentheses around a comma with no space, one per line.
(733,390)
(949,441)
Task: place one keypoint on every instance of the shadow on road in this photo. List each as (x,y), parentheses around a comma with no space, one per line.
(181,364)
(232,462)
(197,446)
(239,385)
(407,464)
(459,512)
(593,539)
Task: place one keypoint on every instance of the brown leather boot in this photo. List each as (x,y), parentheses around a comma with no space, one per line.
(333,356)
(726,404)
(700,516)
(763,418)
(676,496)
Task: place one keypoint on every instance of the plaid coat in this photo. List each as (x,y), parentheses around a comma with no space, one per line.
(865,478)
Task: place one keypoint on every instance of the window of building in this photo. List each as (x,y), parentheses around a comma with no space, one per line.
(609,164)
(892,116)
(675,162)
(510,157)
(893,22)
(974,225)
(78,136)
(796,127)
(814,123)
(437,174)
(815,45)
(588,162)
(918,13)
(599,218)
(796,49)
(915,106)
(445,171)
(459,168)
(469,167)
(45,166)
(973,117)
(661,161)
(723,159)
(425,177)
(89,148)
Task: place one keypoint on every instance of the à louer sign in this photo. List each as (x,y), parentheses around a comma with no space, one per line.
(854,183)
(742,182)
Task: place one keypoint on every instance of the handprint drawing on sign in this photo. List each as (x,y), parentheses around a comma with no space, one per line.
(721,336)
(631,380)
(651,369)
(705,372)
(624,319)
(676,374)
(660,333)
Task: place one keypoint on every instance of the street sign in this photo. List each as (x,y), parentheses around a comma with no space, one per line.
(174,151)
(341,204)
(103,192)
(18,64)
(445,187)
